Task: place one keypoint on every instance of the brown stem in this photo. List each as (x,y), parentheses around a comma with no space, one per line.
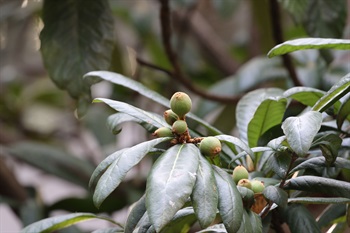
(177,73)
(278,37)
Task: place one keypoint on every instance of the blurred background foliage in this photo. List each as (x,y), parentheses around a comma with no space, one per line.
(50,132)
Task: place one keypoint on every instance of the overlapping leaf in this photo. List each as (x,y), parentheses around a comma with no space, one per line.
(170,183)
(230,202)
(317,162)
(344,112)
(277,195)
(236,142)
(123,161)
(135,215)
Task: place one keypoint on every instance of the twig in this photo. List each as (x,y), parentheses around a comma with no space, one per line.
(177,73)
(278,37)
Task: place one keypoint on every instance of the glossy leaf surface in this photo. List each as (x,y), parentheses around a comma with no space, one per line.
(277,195)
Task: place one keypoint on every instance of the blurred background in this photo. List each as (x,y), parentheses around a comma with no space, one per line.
(52,137)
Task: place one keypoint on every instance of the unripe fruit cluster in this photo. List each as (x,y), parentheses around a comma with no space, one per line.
(240,176)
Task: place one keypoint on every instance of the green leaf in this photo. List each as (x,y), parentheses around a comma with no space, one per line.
(74,41)
(255,219)
(246,224)
(325,19)
(53,161)
(170,183)
(230,202)
(269,114)
(308,43)
(110,230)
(277,195)
(299,219)
(181,222)
(319,184)
(140,115)
(115,173)
(135,215)
(319,200)
(279,162)
(248,105)
(344,112)
(217,228)
(305,95)
(141,89)
(237,143)
(330,214)
(205,196)
(329,144)
(337,91)
(56,223)
(300,131)
(317,162)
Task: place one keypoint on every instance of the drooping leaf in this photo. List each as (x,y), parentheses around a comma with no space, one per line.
(305,95)
(299,219)
(320,185)
(53,161)
(269,114)
(325,19)
(142,116)
(317,162)
(277,195)
(255,219)
(308,43)
(73,42)
(279,162)
(337,91)
(135,215)
(301,130)
(181,222)
(141,89)
(246,224)
(205,195)
(329,145)
(248,105)
(56,223)
(117,170)
(237,143)
(230,202)
(170,183)
(319,200)
(344,112)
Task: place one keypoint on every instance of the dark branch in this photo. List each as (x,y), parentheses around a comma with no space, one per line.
(278,37)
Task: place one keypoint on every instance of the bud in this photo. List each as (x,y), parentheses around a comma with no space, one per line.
(179,127)
(170,117)
(163,132)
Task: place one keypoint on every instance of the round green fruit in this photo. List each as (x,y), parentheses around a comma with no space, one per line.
(163,132)
(210,146)
(239,173)
(181,104)
(179,127)
(245,183)
(257,186)
(170,117)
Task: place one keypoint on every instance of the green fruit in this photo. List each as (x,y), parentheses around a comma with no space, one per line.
(179,127)
(210,146)
(239,173)
(257,186)
(170,117)
(245,183)
(181,104)
(163,132)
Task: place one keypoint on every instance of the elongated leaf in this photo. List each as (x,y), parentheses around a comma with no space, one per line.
(143,116)
(205,196)
(217,228)
(299,219)
(308,43)
(140,88)
(256,222)
(246,224)
(53,161)
(135,215)
(280,162)
(317,162)
(230,202)
(170,183)
(334,94)
(269,114)
(329,144)
(237,143)
(109,230)
(320,184)
(114,121)
(181,222)
(74,42)
(248,105)
(56,223)
(344,112)
(319,200)
(277,195)
(331,213)
(116,172)
(305,95)
(301,130)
